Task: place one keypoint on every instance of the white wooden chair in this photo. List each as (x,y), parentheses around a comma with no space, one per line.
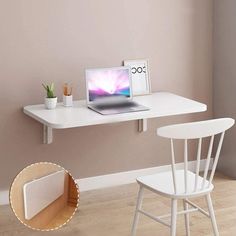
(184,184)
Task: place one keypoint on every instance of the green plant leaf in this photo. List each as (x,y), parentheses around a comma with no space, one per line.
(52,86)
(50,90)
(44,87)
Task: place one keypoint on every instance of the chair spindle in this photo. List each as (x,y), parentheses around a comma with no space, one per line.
(216,157)
(198,163)
(186,165)
(173,165)
(208,161)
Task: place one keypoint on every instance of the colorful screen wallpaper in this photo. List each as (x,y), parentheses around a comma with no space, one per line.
(107,83)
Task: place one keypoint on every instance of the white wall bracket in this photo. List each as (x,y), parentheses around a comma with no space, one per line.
(142,125)
(47,135)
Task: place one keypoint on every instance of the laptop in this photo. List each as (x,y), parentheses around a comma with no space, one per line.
(109,91)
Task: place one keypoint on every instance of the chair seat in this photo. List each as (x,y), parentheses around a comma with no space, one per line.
(163,184)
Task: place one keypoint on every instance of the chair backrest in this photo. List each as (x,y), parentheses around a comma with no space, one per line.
(196,130)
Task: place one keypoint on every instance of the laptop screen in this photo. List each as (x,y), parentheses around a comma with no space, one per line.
(108,84)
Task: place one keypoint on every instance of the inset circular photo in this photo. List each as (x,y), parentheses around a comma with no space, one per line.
(44,196)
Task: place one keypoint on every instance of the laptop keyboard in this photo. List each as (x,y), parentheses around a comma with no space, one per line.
(117,106)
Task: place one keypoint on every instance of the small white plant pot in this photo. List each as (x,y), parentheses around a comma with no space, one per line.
(68,101)
(51,103)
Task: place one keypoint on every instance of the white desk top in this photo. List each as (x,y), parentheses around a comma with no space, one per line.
(160,104)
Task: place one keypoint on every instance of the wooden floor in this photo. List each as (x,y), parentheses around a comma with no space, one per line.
(109,212)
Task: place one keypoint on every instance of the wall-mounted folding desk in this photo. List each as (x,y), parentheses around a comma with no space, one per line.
(161,104)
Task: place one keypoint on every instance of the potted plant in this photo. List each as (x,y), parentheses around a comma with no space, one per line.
(51,99)
(67,95)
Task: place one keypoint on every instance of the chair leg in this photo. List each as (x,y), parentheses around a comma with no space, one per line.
(173,217)
(186,218)
(138,207)
(212,214)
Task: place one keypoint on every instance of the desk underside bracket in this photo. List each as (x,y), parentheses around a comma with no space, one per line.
(47,134)
(142,125)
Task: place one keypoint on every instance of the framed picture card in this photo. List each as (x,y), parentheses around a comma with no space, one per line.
(140,76)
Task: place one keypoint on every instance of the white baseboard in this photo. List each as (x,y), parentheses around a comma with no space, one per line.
(104,181)
(111,180)
(4,197)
